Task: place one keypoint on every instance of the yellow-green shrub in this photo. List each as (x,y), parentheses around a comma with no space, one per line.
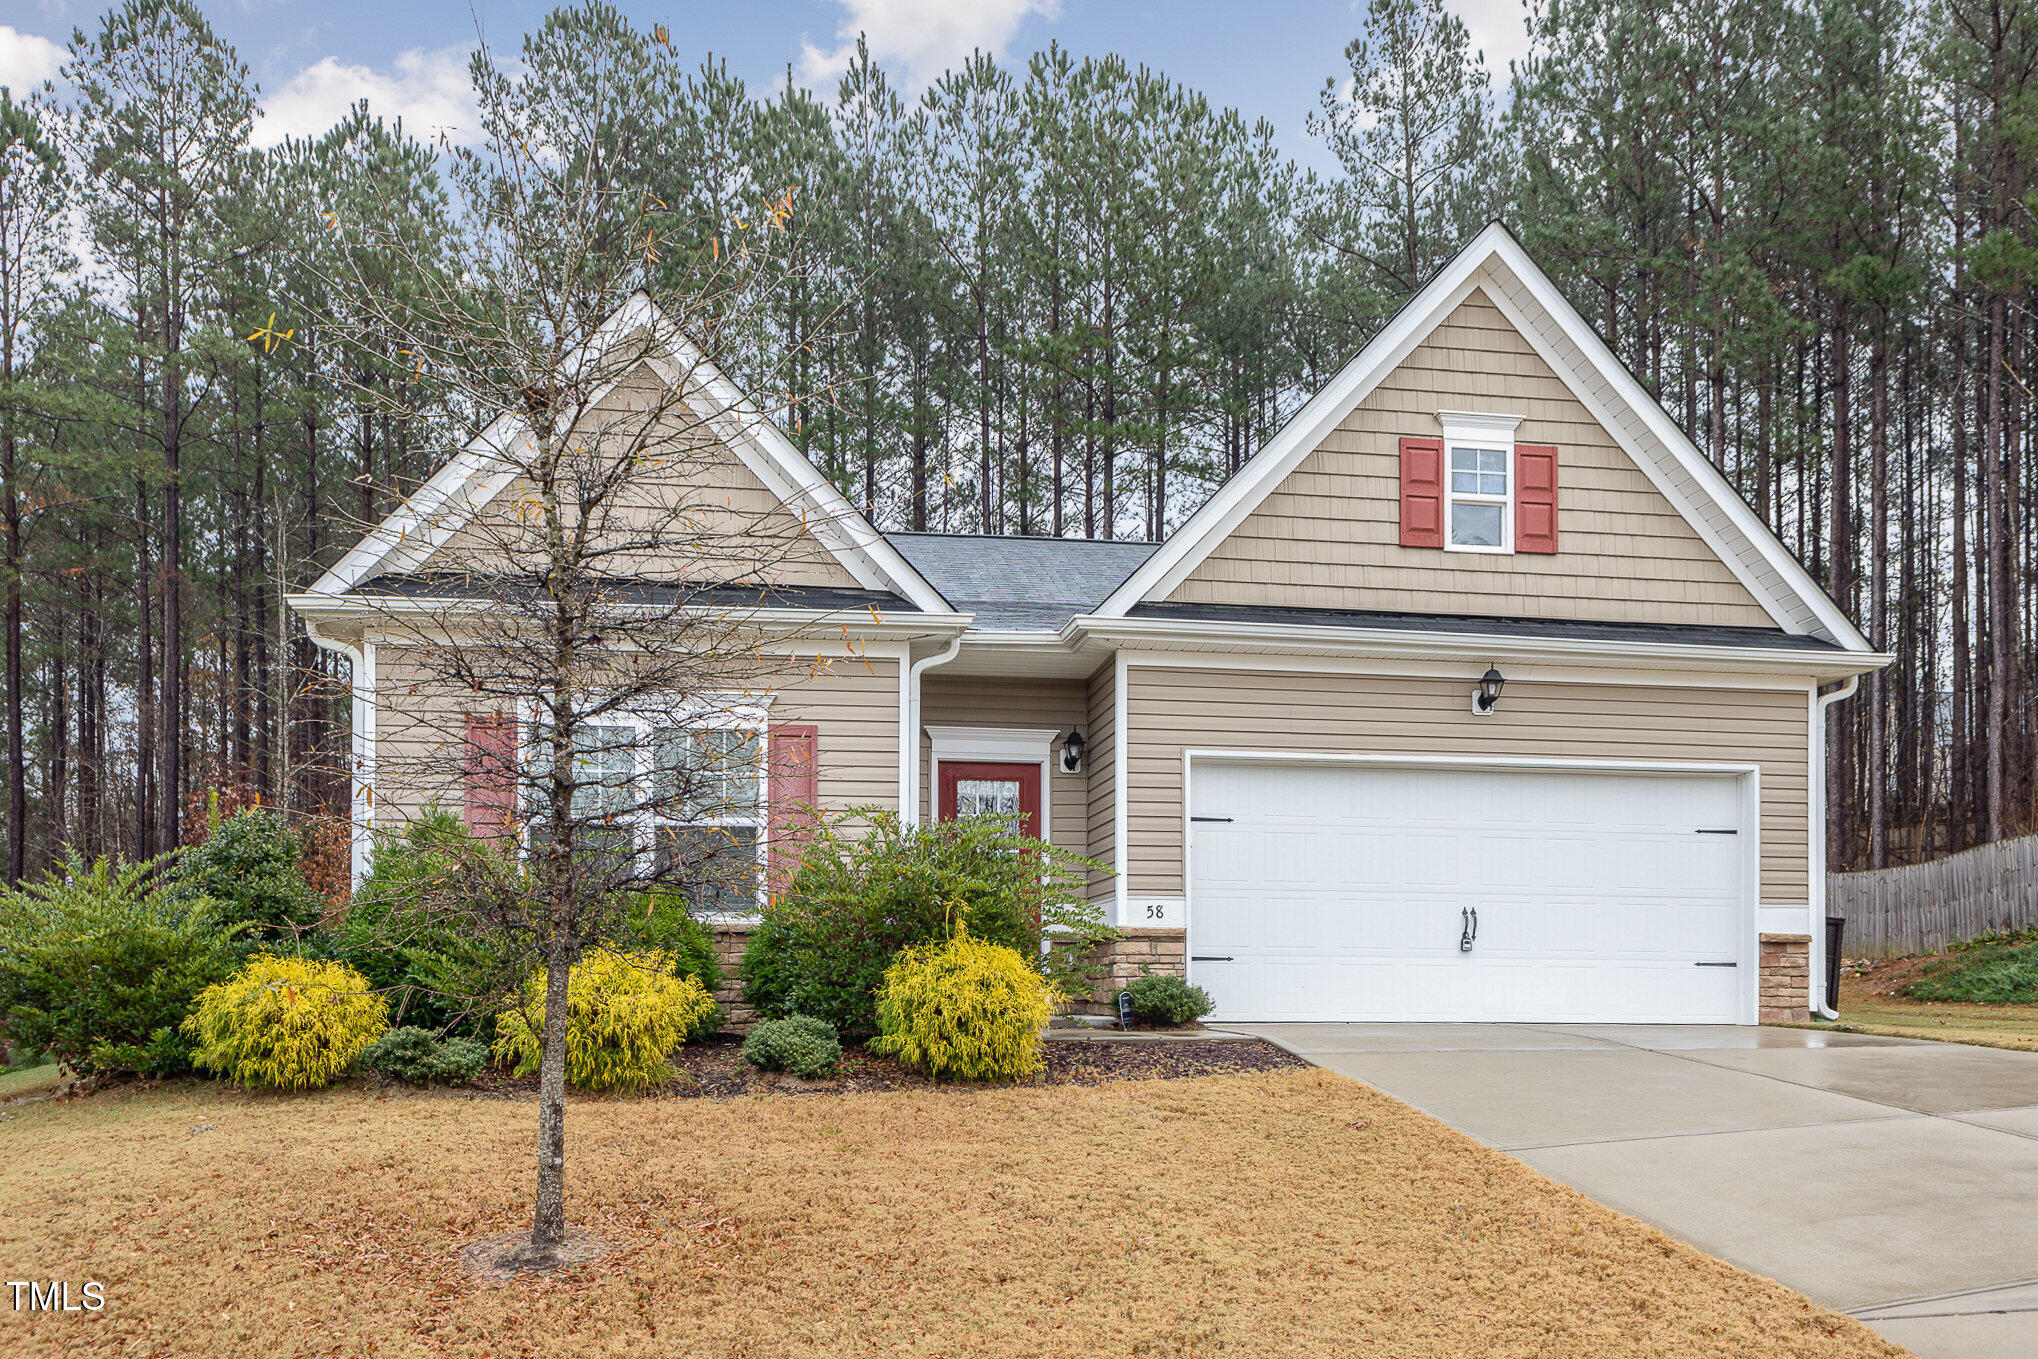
(287,1023)
(965,1008)
(625,1013)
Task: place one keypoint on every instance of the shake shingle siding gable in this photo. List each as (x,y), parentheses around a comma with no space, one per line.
(1329,535)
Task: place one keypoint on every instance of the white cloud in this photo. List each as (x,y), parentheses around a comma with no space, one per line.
(1499,28)
(921,37)
(27,60)
(430,91)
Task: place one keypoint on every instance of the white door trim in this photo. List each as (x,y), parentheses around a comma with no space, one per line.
(994,745)
(1748,775)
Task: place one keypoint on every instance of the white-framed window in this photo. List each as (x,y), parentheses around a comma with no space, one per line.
(1478,481)
(688,786)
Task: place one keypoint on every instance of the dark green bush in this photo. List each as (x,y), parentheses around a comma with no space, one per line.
(248,864)
(801,1044)
(419,1057)
(1166,1000)
(438,971)
(861,894)
(1983,973)
(100,965)
(661,920)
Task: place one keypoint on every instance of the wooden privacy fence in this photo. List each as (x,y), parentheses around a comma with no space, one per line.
(1921,908)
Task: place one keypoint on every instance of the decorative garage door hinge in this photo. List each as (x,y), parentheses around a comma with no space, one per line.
(1210,818)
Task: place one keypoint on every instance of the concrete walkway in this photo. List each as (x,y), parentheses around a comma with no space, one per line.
(1893,1179)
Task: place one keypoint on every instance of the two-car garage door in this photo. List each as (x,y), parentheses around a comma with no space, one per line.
(1334,891)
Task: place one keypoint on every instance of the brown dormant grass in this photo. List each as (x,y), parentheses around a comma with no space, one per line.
(1288,1214)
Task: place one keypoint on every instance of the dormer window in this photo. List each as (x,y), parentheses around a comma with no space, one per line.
(1479,481)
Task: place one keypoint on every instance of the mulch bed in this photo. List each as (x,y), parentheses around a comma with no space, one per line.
(715,1069)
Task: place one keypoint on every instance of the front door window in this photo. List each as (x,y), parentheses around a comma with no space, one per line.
(1010,792)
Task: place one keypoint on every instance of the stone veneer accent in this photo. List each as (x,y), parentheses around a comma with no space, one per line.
(1139,949)
(1786,979)
(730,941)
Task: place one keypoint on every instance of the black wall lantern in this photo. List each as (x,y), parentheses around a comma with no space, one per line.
(1072,752)
(1487,696)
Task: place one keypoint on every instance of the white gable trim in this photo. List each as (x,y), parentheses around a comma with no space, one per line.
(1496,262)
(491,460)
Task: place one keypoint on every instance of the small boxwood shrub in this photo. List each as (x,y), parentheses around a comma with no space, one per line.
(1166,1000)
(802,1044)
(100,964)
(967,1009)
(286,1023)
(420,1057)
(626,1012)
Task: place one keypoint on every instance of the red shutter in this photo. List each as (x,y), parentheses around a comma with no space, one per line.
(1535,498)
(1422,492)
(793,771)
(491,772)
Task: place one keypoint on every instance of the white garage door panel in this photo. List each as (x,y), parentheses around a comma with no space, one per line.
(1337,892)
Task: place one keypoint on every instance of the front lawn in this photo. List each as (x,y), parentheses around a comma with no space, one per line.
(1873,1002)
(1286,1213)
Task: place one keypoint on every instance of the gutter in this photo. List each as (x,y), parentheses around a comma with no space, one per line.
(361,778)
(1817,951)
(909,739)
(1434,645)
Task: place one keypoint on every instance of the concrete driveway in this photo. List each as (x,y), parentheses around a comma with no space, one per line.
(1893,1179)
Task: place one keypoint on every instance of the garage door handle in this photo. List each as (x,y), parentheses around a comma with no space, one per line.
(1210,818)
(1715,964)
(1209,958)
(1727,830)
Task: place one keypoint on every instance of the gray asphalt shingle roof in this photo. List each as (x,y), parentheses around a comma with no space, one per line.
(1014,584)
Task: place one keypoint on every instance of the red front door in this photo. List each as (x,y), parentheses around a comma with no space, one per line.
(980,788)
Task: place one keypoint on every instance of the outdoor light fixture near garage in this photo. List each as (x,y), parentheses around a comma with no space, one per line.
(1072,752)
(1487,696)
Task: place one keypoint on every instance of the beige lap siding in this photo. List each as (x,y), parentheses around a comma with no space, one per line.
(1102,763)
(1171,710)
(1329,535)
(855,703)
(983,701)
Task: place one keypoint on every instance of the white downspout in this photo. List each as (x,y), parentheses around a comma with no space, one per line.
(909,739)
(1817,775)
(361,779)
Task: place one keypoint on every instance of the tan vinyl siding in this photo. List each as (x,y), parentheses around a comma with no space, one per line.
(1172,710)
(421,732)
(708,515)
(1101,760)
(1329,535)
(982,701)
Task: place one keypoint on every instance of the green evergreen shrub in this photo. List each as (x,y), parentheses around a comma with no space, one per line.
(438,971)
(1167,1000)
(249,864)
(867,887)
(420,1057)
(100,964)
(801,1044)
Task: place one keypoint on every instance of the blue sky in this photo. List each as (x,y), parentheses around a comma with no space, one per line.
(311,59)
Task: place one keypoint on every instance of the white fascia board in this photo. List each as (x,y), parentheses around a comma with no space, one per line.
(1719,493)
(1186,548)
(420,610)
(1276,638)
(1713,508)
(491,460)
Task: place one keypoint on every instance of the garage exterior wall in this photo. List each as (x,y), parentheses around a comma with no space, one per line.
(1328,536)
(1172,709)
